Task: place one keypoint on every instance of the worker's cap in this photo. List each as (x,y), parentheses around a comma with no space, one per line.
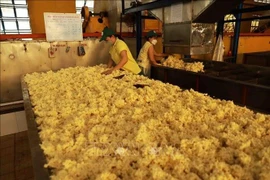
(106,33)
(151,34)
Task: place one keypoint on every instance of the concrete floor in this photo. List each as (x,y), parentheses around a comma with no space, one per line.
(15,156)
(12,123)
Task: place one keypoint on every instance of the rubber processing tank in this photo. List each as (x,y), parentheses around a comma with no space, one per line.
(245,85)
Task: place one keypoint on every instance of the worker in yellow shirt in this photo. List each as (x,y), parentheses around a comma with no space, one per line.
(120,53)
(147,53)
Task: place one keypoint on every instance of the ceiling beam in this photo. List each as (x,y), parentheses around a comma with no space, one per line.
(253,9)
(152,5)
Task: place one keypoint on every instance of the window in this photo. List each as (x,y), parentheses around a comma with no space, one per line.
(14,17)
(254,25)
(229,26)
(262,1)
(81,3)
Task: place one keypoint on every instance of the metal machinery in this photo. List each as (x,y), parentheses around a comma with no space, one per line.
(189,30)
(86,15)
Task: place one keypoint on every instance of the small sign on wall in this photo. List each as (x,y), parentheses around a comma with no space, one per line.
(63,26)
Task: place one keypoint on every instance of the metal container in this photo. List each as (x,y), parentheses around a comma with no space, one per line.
(181,34)
(38,157)
(188,38)
(245,85)
(19,58)
(258,58)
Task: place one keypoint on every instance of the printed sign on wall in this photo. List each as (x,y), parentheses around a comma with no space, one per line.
(63,27)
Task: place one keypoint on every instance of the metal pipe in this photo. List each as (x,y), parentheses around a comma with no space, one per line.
(248,19)
(121,21)
(163,19)
(237,34)
(138,31)
(123,6)
(11,107)
(11,103)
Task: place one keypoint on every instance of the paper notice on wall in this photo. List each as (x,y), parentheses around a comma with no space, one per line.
(63,27)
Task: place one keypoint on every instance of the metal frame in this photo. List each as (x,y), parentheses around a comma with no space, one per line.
(163,3)
(13,6)
(248,19)
(236,34)
(15,14)
(138,9)
(238,13)
(38,157)
(139,32)
(149,6)
(253,9)
(2,21)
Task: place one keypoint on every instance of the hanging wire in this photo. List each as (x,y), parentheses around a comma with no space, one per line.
(85,2)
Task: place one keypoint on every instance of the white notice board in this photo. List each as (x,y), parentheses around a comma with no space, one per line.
(63,27)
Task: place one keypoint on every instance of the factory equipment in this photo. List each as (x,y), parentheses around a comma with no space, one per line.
(189,25)
(246,85)
(189,29)
(38,157)
(257,58)
(86,15)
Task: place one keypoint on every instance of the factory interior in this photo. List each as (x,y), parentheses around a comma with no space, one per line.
(202,113)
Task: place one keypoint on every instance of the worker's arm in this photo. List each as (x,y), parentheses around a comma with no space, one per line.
(122,62)
(110,63)
(151,55)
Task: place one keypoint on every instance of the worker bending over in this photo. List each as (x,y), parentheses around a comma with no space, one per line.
(119,52)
